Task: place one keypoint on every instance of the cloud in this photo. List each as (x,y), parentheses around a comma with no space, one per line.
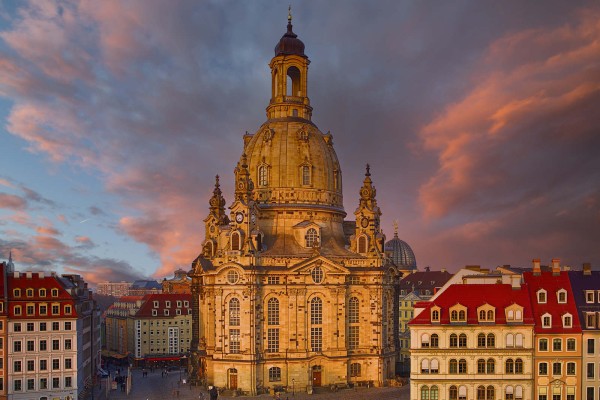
(47,230)
(12,202)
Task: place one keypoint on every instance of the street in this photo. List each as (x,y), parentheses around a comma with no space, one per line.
(156,387)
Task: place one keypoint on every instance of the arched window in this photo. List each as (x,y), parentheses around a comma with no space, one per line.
(435,341)
(519,340)
(462,316)
(481,340)
(234,312)
(509,393)
(425,340)
(273,311)
(491,340)
(305,175)
(518,366)
(208,249)
(490,315)
(462,340)
(462,366)
(293,82)
(453,340)
(481,366)
(510,366)
(491,366)
(462,392)
(353,310)
(362,244)
(425,366)
(433,393)
(480,392)
(518,315)
(316,311)
(355,370)
(518,392)
(454,315)
(511,315)
(482,318)
(263,175)
(510,340)
(424,393)
(491,393)
(312,237)
(274,374)
(435,315)
(453,393)
(453,367)
(235,241)
(435,366)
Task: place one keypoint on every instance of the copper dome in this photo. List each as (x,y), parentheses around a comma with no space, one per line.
(289,44)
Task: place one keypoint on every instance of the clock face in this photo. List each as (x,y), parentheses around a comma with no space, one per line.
(239,217)
(364,222)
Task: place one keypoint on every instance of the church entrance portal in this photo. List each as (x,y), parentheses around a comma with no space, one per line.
(316,376)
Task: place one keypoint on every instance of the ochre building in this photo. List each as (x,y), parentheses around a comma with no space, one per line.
(285,291)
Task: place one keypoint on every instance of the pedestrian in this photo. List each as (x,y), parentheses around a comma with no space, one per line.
(213,392)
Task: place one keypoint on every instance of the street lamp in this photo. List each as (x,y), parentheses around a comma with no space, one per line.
(293,387)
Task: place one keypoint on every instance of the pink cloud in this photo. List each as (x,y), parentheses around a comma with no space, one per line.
(47,230)
(12,202)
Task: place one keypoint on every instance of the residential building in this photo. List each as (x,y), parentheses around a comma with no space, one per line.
(144,287)
(585,286)
(558,349)
(415,287)
(285,292)
(52,336)
(115,289)
(119,326)
(180,283)
(473,341)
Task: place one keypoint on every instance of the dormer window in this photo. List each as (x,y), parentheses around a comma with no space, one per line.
(29,292)
(42,292)
(546,321)
(17,292)
(312,237)
(561,296)
(541,296)
(567,320)
(458,313)
(168,304)
(435,314)
(462,315)
(155,304)
(589,296)
(54,292)
(166,312)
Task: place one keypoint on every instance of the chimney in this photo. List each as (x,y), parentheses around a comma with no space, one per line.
(16,274)
(587,268)
(536,267)
(41,275)
(515,281)
(555,266)
(28,274)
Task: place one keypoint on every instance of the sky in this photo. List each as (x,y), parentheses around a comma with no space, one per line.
(480,120)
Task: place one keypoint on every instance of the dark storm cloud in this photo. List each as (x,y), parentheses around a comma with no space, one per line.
(156,96)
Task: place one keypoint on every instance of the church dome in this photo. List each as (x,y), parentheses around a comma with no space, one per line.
(400,253)
(292,163)
(289,43)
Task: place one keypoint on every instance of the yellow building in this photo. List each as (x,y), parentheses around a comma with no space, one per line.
(283,296)
(180,283)
(119,325)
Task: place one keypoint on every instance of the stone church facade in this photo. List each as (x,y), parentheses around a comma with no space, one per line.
(285,291)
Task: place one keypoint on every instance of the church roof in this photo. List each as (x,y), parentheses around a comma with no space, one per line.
(401,253)
(289,44)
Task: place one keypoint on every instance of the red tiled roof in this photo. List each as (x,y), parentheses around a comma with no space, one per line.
(552,284)
(148,305)
(473,296)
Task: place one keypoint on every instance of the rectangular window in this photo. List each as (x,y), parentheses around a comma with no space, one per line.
(56,344)
(42,326)
(273,340)
(68,381)
(30,345)
(316,339)
(30,327)
(353,337)
(591,370)
(234,341)
(571,344)
(590,393)
(590,346)
(543,369)
(68,363)
(55,364)
(55,326)
(543,345)
(68,344)
(556,368)
(17,346)
(30,384)
(43,345)
(273,280)
(571,368)
(44,383)
(17,327)
(30,365)
(43,310)
(589,296)
(43,365)
(590,320)
(17,385)
(557,345)
(30,310)
(67,326)
(55,383)
(55,309)
(17,366)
